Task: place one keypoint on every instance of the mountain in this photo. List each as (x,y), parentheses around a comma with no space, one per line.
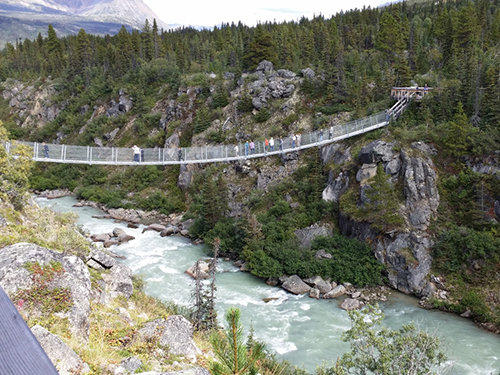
(25,19)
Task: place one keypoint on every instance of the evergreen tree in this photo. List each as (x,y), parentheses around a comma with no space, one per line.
(261,48)
(123,51)
(147,42)
(233,356)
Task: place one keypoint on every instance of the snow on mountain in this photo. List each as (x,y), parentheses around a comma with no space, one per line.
(128,12)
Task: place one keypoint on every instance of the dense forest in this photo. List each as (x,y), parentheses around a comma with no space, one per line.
(452,46)
(361,54)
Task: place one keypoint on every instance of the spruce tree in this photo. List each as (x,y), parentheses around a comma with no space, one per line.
(233,356)
(261,48)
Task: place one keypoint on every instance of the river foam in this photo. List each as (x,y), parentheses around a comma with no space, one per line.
(304,331)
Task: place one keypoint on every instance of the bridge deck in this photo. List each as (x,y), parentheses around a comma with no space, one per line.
(71,154)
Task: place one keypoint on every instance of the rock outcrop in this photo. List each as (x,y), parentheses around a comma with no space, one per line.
(64,359)
(176,332)
(14,276)
(406,253)
(307,235)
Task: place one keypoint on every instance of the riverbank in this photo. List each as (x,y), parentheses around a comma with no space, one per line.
(288,324)
(173,224)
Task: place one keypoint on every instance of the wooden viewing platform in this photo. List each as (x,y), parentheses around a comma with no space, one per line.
(416,93)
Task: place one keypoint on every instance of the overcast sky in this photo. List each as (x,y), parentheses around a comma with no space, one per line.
(213,12)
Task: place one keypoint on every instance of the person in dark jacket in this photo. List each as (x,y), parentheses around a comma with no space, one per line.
(45,150)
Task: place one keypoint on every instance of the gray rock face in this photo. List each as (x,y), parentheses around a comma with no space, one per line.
(176,332)
(406,254)
(187,224)
(366,172)
(306,235)
(130,364)
(98,142)
(115,109)
(110,136)
(295,285)
(335,187)
(283,73)
(420,188)
(102,258)
(259,102)
(76,278)
(118,282)
(393,167)
(265,66)
(376,151)
(173,142)
(64,359)
(408,259)
(335,152)
(309,73)
(338,291)
(322,254)
(185,177)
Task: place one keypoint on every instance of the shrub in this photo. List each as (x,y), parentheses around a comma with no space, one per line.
(245,104)
(263,115)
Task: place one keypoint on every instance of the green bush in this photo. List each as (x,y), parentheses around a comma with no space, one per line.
(112,199)
(263,115)
(245,104)
(159,202)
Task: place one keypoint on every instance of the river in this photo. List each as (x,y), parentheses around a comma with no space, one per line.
(299,329)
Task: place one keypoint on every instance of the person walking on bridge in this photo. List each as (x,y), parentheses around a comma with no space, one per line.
(252,147)
(321,135)
(331,132)
(179,154)
(45,150)
(266,145)
(281,143)
(294,140)
(137,153)
(271,144)
(247,146)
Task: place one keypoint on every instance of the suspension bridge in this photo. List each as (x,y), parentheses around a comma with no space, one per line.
(71,154)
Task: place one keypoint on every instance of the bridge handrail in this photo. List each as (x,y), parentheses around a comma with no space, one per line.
(61,153)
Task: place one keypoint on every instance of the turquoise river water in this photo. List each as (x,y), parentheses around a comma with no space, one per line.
(304,331)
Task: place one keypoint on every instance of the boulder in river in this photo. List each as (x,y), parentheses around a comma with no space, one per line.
(338,291)
(351,304)
(202,270)
(295,285)
(155,227)
(314,293)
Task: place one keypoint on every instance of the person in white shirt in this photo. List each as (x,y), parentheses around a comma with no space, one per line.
(137,153)
(271,144)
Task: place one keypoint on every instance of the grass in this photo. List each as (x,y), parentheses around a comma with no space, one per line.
(45,228)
